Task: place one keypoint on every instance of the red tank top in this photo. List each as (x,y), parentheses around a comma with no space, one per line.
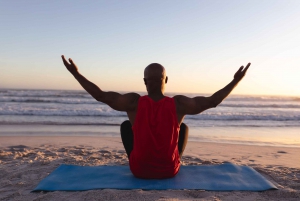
(155,148)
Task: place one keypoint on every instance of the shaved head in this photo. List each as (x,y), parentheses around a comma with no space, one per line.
(155,78)
(154,71)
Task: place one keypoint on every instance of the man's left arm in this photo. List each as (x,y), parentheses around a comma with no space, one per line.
(198,104)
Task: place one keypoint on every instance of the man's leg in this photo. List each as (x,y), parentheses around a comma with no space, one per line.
(127,136)
(183,137)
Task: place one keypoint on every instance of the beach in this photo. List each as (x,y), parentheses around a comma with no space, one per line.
(26,160)
(72,74)
(42,129)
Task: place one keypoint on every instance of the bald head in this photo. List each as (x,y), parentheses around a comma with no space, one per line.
(154,71)
(155,78)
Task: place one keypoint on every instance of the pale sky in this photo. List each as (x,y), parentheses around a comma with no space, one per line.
(200,43)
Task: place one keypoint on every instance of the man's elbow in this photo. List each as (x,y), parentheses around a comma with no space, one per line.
(99,98)
(213,103)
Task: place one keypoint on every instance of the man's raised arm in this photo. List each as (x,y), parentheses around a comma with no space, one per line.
(115,100)
(198,104)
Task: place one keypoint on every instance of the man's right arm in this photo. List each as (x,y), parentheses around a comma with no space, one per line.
(126,102)
(196,105)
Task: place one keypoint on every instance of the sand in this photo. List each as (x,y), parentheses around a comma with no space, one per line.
(25,161)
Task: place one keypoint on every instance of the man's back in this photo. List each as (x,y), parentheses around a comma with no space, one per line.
(155,151)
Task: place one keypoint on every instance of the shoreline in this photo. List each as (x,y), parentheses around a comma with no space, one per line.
(256,136)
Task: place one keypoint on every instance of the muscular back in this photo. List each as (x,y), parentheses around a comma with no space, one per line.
(184,106)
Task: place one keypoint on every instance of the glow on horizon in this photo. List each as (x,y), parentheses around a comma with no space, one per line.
(200,43)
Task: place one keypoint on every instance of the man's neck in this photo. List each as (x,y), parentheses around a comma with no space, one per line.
(156,96)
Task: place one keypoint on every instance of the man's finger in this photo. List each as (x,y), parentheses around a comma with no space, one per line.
(241,68)
(248,65)
(64,60)
(63,57)
(71,61)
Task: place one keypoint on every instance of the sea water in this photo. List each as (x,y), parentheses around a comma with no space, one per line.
(241,119)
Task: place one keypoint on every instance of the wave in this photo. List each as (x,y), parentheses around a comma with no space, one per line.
(44,93)
(245,118)
(260,105)
(78,110)
(38,105)
(98,113)
(83,94)
(237,104)
(59,123)
(259,99)
(58,110)
(73,113)
(60,101)
(117,122)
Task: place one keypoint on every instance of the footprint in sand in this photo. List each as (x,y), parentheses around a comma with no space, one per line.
(62,149)
(282,152)
(18,148)
(104,151)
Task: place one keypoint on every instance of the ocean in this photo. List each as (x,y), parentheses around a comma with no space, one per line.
(241,119)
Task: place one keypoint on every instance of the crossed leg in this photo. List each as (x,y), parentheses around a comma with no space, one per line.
(127,137)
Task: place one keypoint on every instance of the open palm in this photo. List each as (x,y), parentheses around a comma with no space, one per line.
(70,66)
(241,72)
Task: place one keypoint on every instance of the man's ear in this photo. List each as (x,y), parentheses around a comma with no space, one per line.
(145,81)
(166,79)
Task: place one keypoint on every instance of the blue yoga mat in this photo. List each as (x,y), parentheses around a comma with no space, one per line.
(225,177)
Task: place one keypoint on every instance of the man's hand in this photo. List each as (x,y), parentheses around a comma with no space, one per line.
(70,66)
(238,76)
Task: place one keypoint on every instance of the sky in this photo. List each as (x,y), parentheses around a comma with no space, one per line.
(200,43)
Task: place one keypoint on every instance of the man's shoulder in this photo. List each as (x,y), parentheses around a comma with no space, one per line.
(180,98)
(132,95)
(131,100)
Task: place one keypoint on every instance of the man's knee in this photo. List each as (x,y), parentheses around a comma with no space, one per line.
(184,127)
(126,124)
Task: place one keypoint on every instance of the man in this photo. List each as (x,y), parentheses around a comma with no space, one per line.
(154,137)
